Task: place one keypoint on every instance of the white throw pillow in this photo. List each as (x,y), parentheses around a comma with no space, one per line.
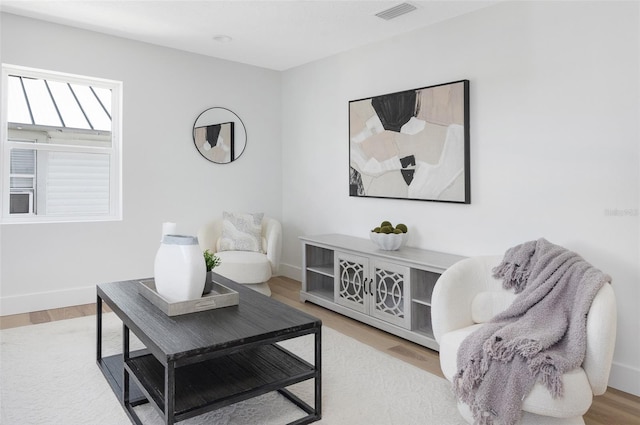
(241,232)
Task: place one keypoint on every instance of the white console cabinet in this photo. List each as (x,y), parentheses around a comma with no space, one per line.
(390,290)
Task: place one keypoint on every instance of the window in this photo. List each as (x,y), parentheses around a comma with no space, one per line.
(61,147)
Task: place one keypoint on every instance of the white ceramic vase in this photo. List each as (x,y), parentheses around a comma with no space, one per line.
(179,268)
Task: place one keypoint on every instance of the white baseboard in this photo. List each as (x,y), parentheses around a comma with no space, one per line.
(47,300)
(292,272)
(625,378)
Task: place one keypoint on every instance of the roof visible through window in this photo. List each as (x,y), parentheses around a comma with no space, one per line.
(47,103)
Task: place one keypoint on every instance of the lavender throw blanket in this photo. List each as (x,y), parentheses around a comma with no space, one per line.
(538,338)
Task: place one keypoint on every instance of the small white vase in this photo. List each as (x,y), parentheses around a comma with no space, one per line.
(179,268)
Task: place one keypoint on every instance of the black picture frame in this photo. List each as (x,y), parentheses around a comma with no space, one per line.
(412,144)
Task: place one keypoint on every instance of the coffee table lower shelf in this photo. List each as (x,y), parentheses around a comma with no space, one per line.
(111,367)
(222,381)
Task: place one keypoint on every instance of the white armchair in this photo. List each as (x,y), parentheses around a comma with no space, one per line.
(467,295)
(249,268)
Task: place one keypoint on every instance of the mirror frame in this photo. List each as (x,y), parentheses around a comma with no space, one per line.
(219,116)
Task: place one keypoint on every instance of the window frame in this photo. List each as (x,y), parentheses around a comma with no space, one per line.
(114,151)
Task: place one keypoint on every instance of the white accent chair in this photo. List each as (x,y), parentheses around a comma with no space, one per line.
(253,269)
(467,295)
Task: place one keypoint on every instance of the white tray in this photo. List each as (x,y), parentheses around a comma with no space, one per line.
(220,296)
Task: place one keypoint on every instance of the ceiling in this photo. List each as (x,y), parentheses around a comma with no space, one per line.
(272,34)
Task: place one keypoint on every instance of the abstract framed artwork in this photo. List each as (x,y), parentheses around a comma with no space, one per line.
(412,144)
(215,142)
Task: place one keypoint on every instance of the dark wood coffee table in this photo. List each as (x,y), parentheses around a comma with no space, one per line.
(198,362)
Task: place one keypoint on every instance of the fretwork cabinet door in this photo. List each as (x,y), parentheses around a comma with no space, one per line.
(390,297)
(351,279)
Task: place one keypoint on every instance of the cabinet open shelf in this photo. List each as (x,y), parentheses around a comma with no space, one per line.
(319,284)
(426,303)
(319,272)
(425,282)
(326,294)
(425,332)
(421,319)
(325,270)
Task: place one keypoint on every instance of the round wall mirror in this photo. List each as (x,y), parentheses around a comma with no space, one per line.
(219,135)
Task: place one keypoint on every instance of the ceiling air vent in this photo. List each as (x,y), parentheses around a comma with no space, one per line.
(396,11)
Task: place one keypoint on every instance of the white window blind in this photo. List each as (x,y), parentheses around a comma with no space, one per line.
(23,161)
(22,179)
(77,183)
(23,169)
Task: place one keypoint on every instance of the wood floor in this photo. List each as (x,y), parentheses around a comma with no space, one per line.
(613,408)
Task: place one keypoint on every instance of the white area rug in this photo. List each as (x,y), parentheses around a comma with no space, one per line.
(48,375)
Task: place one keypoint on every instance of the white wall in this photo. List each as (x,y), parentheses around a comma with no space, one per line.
(164,177)
(554,141)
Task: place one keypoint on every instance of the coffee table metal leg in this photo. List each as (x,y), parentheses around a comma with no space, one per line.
(125,357)
(318,366)
(314,413)
(169,393)
(126,393)
(98,329)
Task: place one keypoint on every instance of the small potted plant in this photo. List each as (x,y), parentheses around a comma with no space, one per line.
(211,261)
